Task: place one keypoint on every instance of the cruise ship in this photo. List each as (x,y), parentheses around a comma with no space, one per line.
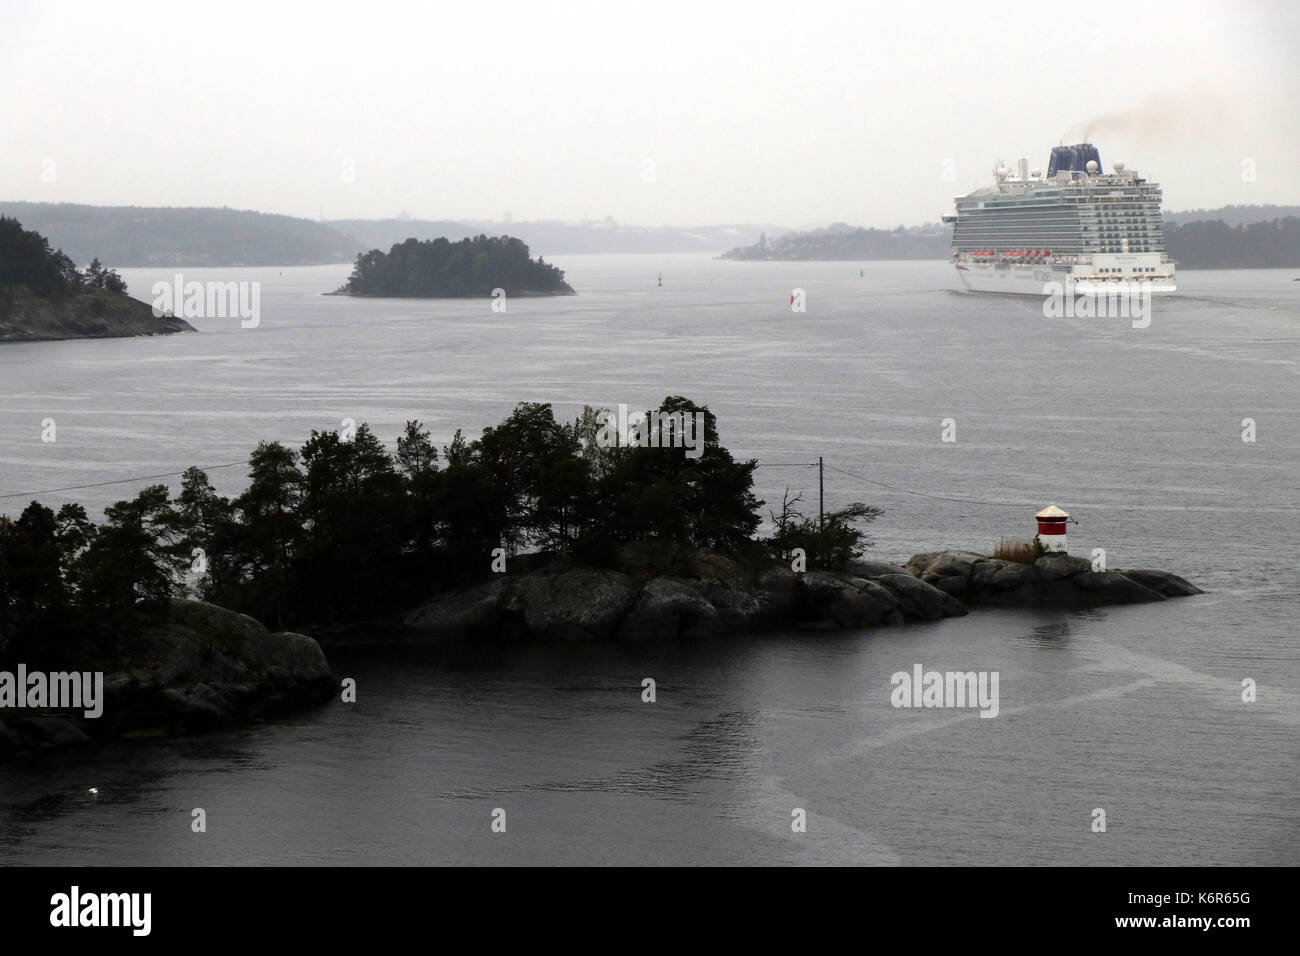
(1075,225)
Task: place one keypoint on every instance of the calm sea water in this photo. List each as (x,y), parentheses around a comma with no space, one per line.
(1136,432)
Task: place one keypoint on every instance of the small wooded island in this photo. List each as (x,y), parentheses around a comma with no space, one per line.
(43,295)
(440,268)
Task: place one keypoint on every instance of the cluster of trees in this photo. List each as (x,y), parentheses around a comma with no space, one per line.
(98,276)
(439,267)
(341,529)
(1233,215)
(1214,244)
(26,259)
(68,586)
(830,541)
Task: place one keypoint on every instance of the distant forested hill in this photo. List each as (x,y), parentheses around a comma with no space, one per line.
(441,268)
(384,233)
(556,238)
(1216,245)
(167,236)
(841,241)
(1234,237)
(1232,215)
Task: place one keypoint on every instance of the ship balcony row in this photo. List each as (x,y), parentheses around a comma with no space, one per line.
(1048,257)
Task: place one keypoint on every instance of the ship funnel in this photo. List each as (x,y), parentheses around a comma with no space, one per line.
(1024,170)
(1072,159)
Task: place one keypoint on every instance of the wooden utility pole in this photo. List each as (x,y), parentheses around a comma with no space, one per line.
(821,494)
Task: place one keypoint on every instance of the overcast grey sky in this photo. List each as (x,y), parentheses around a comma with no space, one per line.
(653,113)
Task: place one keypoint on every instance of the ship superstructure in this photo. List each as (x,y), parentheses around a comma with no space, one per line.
(1076,225)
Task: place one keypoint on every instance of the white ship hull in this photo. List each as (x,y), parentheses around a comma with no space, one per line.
(1036,280)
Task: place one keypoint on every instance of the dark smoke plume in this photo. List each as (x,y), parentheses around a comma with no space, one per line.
(1159,120)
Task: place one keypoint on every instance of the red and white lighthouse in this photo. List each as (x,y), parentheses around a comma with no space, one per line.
(1051,529)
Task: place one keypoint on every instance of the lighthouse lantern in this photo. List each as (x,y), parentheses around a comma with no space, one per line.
(1051,529)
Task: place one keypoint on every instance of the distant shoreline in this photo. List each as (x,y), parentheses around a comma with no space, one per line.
(473,295)
(945,261)
(83,314)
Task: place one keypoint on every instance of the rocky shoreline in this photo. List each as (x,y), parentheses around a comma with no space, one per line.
(707,593)
(201,668)
(520,294)
(81,314)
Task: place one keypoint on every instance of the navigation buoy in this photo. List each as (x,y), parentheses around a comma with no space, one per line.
(1051,529)
(661,278)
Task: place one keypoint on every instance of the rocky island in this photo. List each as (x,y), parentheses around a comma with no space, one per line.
(537,530)
(44,296)
(440,268)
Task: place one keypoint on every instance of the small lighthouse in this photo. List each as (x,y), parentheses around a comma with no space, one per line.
(1051,529)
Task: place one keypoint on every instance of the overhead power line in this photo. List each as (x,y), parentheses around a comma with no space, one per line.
(926,494)
(117,481)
